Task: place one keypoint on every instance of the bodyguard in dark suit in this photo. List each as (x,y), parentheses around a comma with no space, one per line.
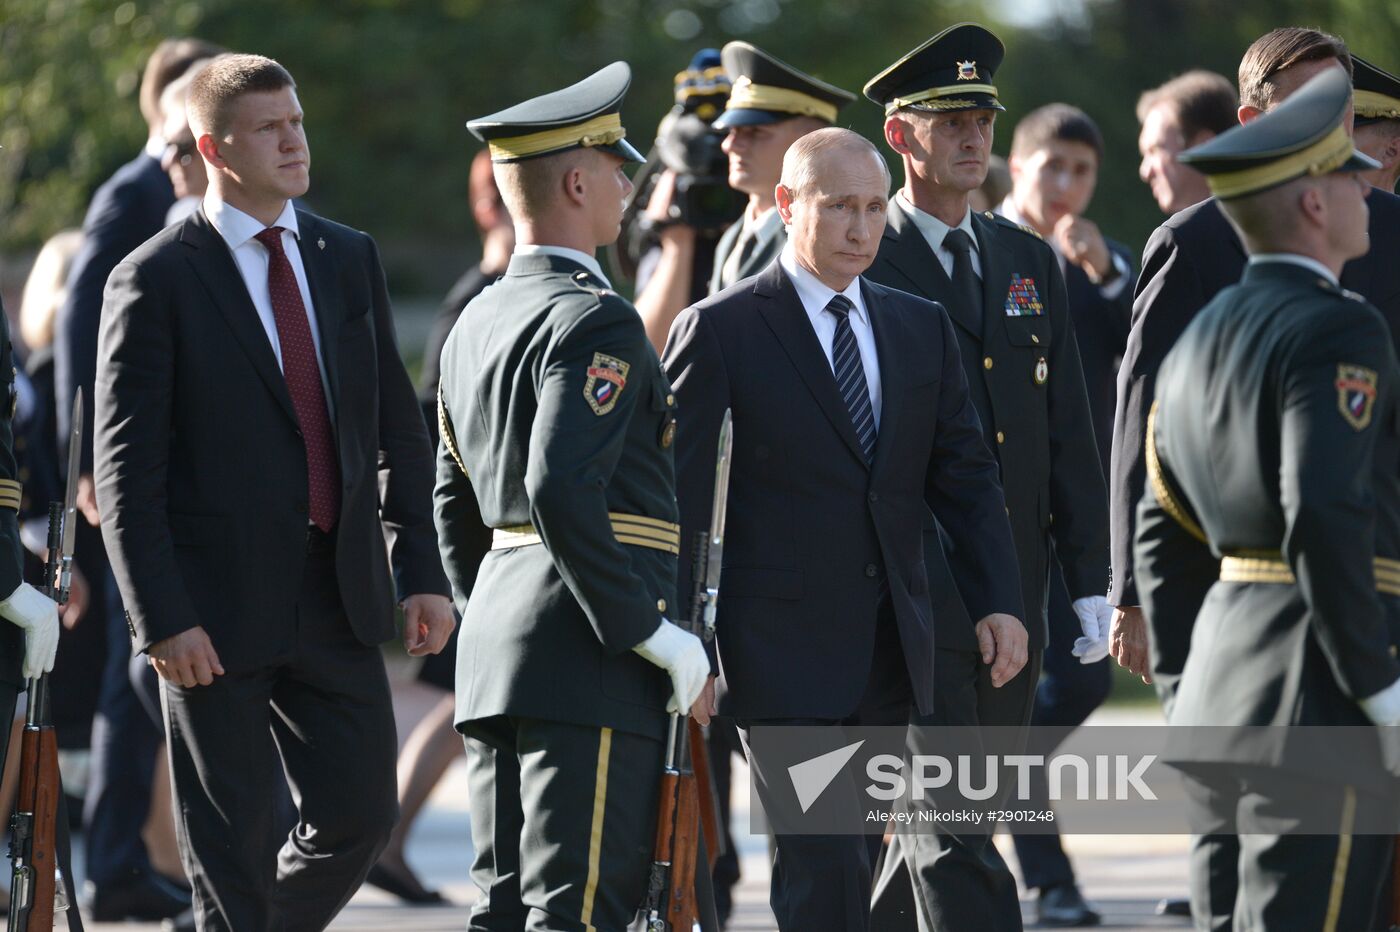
(1272,519)
(853,429)
(557,426)
(1005,293)
(252,405)
(128,209)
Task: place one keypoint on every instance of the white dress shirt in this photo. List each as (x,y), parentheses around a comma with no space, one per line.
(815,297)
(934,230)
(564,252)
(251,257)
(759,227)
(1292,258)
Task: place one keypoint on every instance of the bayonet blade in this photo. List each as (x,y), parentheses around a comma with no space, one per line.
(70,493)
(714,565)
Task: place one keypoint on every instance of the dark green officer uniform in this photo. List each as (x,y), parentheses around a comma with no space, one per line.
(1375,93)
(764,90)
(1272,518)
(557,427)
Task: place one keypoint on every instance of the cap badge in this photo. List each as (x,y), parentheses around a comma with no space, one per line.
(967,71)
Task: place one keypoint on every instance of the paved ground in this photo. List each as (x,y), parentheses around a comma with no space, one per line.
(1124,876)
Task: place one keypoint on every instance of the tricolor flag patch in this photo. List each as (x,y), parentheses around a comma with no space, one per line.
(607,377)
(1356,394)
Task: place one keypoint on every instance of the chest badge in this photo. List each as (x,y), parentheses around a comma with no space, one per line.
(1022,299)
(607,376)
(668,433)
(1041,372)
(1356,394)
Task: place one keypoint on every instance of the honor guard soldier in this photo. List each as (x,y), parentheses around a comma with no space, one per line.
(771,106)
(557,428)
(1271,517)
(1002,287)
(1376,103)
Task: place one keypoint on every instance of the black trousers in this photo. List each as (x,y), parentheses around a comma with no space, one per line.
(324,712)
(1067,693)
(563,819)
(1285,879)
(962,880)
(822,883)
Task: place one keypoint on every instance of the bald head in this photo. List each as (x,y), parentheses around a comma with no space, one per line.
(833,195)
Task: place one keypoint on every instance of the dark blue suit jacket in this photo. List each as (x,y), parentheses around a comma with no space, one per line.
(128,209)
(1101,329)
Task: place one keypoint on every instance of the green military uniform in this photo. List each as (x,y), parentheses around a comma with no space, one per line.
(764,90)
(557,426)
(11,550)
(1015,333)
(1272,518)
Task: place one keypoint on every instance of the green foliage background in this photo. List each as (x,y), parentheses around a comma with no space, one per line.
(388,85)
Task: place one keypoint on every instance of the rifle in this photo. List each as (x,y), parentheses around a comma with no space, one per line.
(36,891)
(686,807)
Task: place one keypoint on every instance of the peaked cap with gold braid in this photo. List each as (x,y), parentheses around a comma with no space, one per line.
(1303,135)
(581,115)
(1377,93)
(765,90)
(951,71)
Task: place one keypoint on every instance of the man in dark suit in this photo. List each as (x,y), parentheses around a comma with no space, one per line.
(1271,520)
(1188,260)
(251,400)
(1005,293)
(852,421)
(128,209)
(1056,152)
(556,463)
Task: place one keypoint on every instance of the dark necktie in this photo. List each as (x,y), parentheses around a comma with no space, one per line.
(303,375)
(967,288)
(850,374)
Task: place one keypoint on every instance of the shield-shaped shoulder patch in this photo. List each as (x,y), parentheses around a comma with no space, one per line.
(1356,394)
(607,377)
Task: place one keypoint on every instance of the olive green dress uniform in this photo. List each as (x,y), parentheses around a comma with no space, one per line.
(557,427)
(1272,517)
(764,90)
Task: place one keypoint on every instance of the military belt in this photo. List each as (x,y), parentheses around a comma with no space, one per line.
(637,530)
(1268,566)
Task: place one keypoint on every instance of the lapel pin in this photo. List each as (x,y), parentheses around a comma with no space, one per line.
(320,243)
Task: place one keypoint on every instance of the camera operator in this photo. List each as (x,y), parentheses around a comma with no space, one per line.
(683,202)
(771,105)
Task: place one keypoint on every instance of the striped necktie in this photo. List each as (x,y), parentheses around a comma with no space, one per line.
(850,374)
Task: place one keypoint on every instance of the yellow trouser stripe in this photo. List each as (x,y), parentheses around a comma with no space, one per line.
(595,833)
(1264,566)
(1339,868)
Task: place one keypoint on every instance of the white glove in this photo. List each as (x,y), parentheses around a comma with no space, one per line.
(682,656)
(1383,708)
(37,614)
(1095,617)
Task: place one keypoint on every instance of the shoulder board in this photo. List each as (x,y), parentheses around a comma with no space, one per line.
(1348,293)
(1013,224)
(584,282)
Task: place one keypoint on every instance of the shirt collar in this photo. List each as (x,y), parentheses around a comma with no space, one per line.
(814,295)
(1292,258)
(935,230)
(564,252)
(237,228)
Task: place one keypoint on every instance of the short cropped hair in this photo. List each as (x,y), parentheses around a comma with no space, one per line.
(797,161)
(222,81)
(530,187)
(1202,101)
(170,60)
(1056,123)
(1281,49)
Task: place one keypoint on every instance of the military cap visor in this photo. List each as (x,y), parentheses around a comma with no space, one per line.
(951,71)
(1304,135)
(583,115)
(1377,93)
(766,90)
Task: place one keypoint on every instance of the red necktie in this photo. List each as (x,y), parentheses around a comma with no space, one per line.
(303,375)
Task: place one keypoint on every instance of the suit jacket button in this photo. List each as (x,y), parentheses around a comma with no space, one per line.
(987,362)
(1001,437)
(874,497)
(872,570)
(661,605)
